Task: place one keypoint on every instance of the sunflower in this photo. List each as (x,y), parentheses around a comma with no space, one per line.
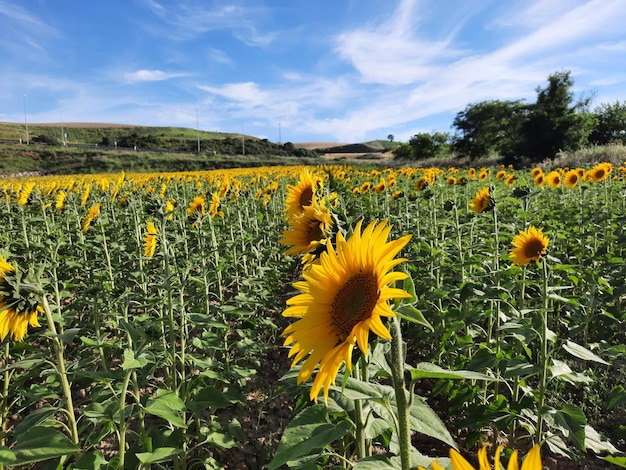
(342,298)
(18,305)
(307,231)
(536,172)
(529,246)
(381,187)
(24,196)
(571,178)
(60,201)
(501,174)
(150,240)
(214,208)
(303,194)
(94,211)
(554,179)
(532,461)
(421,184)
(540,180)
(482,201)
(197,206)
(600,172)
(510,179)
(451,181)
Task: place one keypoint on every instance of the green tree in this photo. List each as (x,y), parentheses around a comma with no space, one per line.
(611,124)
(489,127)
(555,122)
(403,152)
(430,145)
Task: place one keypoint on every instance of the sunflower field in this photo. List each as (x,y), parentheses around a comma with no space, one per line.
(328,316)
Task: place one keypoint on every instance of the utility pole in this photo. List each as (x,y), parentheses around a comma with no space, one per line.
(243,141)
(25,120)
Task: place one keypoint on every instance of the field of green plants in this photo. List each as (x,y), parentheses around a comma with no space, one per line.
(142,326)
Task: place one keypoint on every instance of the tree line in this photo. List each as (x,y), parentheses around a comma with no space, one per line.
(516,130)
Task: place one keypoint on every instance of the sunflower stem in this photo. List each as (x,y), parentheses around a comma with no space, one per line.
(4,404)
(543,354)
(361,444)
(402,405)
(58,349)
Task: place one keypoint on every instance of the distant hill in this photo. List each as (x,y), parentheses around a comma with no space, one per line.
(110,136)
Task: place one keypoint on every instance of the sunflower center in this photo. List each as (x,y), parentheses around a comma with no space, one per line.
(306,197)
(533,249)
(354,303)
(315,232)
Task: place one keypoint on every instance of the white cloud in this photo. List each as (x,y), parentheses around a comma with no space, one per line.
(150,76)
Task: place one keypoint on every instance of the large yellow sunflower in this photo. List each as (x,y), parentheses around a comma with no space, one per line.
(18,310)
(529,245)
(532,461)
(342,298)
(482,200)
(303,194)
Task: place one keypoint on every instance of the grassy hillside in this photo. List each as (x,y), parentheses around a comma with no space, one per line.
(15,159)
(173,138)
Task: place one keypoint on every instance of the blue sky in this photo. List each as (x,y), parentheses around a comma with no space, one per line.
(299,70)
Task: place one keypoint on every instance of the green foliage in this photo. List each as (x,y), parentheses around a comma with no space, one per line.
(555,122)
(433,145)
(611,126)
(403,152)
(489,127)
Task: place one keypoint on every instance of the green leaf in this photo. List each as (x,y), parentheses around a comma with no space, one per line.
(572,421)
(597,443)
(619,461)
(424,420)
(222,440)
(375,463)
(162,454)
(581,352)
(410,313)
(35,445)
(90,461)
(307,434)
(208,397)
(167,405)
(426,370)
(68,335)
(132,362)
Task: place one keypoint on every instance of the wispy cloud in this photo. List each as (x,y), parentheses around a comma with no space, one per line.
(22,33)
(150,76)
(189,20)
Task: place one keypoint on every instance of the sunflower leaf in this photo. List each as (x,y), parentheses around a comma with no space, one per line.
(35,445)
(410,313)
(307,434)
(427,370)
(581,352)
